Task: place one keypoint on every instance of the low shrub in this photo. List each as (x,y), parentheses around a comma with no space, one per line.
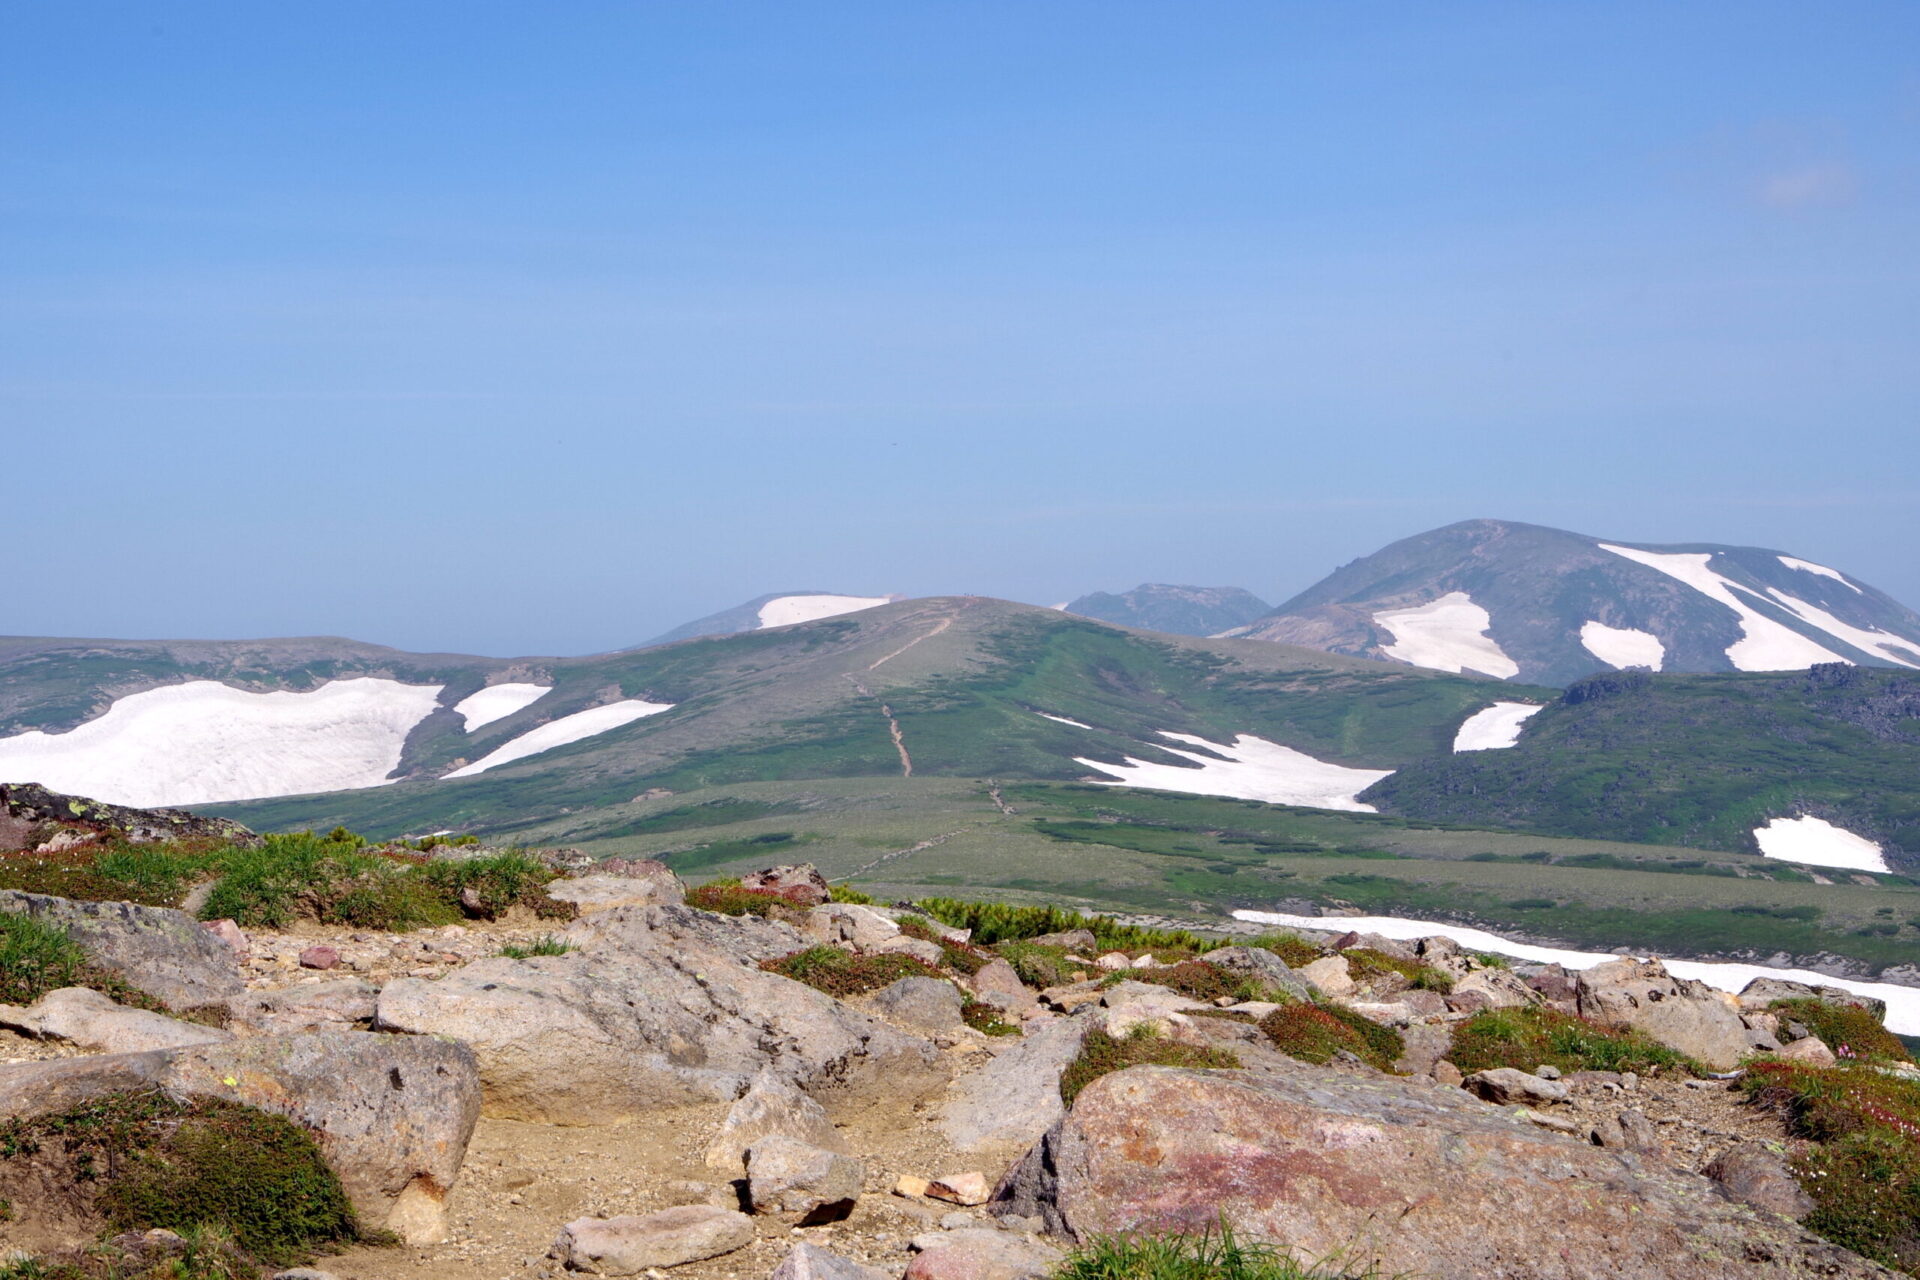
(1039,966)
(1864,1174)
(986,1019)
(491,886)
(961,957)
(993,922)
(1365,962)
(843,973)
(847,893)
(154,875)
(1198,980)
(728,898)
(1848,1030)
(1209,1255)
(1291,947)
(145,1160)
(1316,1032)
(1525,1038)
(37,956)
(1102,1054)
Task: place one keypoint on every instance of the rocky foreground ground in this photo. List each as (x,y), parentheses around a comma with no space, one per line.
(638,1091)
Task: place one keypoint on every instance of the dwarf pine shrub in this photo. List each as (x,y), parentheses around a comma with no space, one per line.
(1525,1038)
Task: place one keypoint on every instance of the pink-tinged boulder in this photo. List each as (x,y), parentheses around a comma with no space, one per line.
(998,985)
(319,956)
(633,1243)
(801,883)
(977,1253)
(229,932)
(619,882)
(1394,1174)
(811,1262)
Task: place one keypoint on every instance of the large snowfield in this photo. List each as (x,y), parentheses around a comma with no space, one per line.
(1448,634)
(561,732)
(1496,727)
(788,610)
(1819,843)
(1623,647)
(1903,1003)
(1881,643)
(1808,566)
(203,742)
(497,702)
(1765,645)
(1254,769)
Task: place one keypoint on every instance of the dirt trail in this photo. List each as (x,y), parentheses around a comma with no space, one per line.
(901,853)
(943,625)
(893,725)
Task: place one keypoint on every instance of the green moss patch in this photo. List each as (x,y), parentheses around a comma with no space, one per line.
(728,898)
(1198,980)
(37,956)
(843,973)
(1365,962)
(1532,1037)
(1143,1046)
(1209,1255)
(1316,1032)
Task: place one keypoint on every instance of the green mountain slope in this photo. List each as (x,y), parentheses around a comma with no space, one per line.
(1694,760)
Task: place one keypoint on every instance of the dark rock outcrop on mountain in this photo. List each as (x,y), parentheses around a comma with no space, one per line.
(1545,606)
(1177,610)
(31,815)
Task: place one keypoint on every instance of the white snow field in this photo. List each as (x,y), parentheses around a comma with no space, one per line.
(788,610)
(1623,646)
(1764,645)
(1495,727)
(1062,720)
(1818,843)
(202,742)
(1808,566)
(558,733)
(497,702)
(1884,643)
(1254,769)
(1448,634)
(1903,1003)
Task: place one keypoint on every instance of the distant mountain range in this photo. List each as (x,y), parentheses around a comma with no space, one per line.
(1544,606)
(1180,611)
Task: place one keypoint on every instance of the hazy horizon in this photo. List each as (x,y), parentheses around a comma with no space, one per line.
(542,332)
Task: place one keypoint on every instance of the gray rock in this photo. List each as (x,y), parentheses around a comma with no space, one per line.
(848,923)
(82,1016)
(1762,992)
(393,1114)
(1681,1014)
(1547,1072)
(337,1004)
(657,1006)
(769,1106)
(1263,966)
(1423,1046)
(811,1262)
(1754,1174)
(930,1006)
(304,1273)
(1491,989)
(981,1253)
(927,953)
(601,892)
(1506,1086)
(1016,1097)
(800,883)
(998,985)
(1329,975)
(158,950)
(1081,940)
(631,1243)
(801,1183)
(1393,1175)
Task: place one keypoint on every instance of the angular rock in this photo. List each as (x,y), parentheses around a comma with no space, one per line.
(1507,1086)
(97,1024)
(1811,1050)
(1422,1047)
(1761,992)
(927,953)
(769,1106)
(632,1243)
(34,808)
(158,950)
(849,923)
(980,1253)
(1681,1014)
(800,883)
(811,1262)
(1015,1098)
(930,1006)
(1329,975)
(1263,966)
(1392,1174)
(319,957)
(969,1188)
(998,985)
(1072,939)
(1502,988)
(229,932)
(601,891)
(1753,1174)
(336,1004)
(656,1006)
(392,1114)
(800,1183)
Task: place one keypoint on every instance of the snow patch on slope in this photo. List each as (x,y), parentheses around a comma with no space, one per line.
(1623,646)
(567,729)
(1818,843)
(203,742)
(1254,769)
(1808,566)
(1448,634)
(1888,645)
(1765,645)
(787,610)
(1903,1003)
(1495,727)
(497,702)
(1062,720)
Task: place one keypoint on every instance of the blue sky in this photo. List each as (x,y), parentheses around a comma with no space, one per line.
(517,328)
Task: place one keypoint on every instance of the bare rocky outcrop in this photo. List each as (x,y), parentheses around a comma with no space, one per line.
(84,1017)
(656,1006)
(157,950)
(770,1106)
(1015,1098)
(1380,1171)
(393,1114)
(31,815)
(800,1183)
(1680,1013)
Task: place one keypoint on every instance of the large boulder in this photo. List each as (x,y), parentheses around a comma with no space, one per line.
(979,1253)
(633,1243)
(392,1114)
(1015,1098)
(800,883)
(1263,966)
(929,1006)
(849,923)
(84,1017)
(334,1004)
(1405,1177)
(1681,1014)
(800,1183)
(1761,992)
(157,950)
(770,1106)
(656,1006)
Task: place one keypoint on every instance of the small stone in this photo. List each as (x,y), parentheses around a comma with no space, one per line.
(1547,1071)
(319,957)
(1506,1085)
(961,1188)
(1446,1073)
(801,1183)
(229,932)
(908,1185)
(1114,961)
(1811,1050)
(811,1262)
(629,1244)
(956,1220)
